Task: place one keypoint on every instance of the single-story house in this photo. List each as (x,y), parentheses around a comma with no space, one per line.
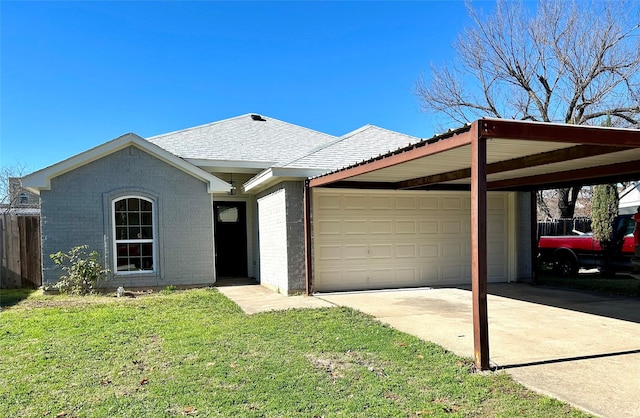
(303,211)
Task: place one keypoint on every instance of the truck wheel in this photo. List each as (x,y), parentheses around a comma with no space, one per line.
(565,265)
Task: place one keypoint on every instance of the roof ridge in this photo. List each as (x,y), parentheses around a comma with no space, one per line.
(197,126)
(237,117)
(348,135)
(395,132)
(328,144)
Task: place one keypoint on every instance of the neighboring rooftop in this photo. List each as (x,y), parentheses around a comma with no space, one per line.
(249,137)
(362,144)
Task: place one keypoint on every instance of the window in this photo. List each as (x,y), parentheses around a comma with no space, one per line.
(227,214)
(24,198)
(133,224)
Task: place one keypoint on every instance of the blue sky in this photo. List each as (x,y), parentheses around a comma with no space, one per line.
(77,74)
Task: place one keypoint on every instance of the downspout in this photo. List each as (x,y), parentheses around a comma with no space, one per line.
(307,237)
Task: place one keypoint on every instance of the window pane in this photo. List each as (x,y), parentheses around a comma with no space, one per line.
(121,218)
(145,205)
(121,205)
(147,233)
(134,219)
(121,233)
(147,219)
(147,250)
(227,214)
(135,233)
(134,204)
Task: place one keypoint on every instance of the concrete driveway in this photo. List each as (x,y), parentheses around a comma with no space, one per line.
(575,346)
(578,347)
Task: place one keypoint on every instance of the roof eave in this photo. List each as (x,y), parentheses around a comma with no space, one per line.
(274,175)
(41,179)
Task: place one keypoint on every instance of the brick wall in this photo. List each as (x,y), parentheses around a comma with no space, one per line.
(281,231)
(77,211)
(273,240)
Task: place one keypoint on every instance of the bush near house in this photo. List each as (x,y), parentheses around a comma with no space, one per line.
(82,270)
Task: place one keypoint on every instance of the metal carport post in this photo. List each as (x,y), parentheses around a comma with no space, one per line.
(479,251)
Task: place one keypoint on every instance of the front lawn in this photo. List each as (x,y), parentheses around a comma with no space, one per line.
(195,353)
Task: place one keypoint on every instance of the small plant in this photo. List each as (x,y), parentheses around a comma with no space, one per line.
(83,271)
(169,289)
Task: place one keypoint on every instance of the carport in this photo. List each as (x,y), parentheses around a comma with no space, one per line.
(489,155)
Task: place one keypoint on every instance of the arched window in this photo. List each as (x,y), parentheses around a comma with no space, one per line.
(134,241)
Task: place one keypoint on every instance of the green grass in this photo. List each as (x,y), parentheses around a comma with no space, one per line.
(613,284)
(195,353)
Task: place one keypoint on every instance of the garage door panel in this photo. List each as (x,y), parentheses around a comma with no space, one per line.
(406,203)
(355,203)
(330,252)
(429,227)
(356,252)
(327,227)
(380,239)
(406,251)
(381,251)
(381,227)
(405,227)
(429,250)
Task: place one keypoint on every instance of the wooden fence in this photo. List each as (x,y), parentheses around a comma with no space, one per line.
(20,251)
(563,226)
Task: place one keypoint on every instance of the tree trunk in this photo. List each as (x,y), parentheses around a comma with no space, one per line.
(567,201)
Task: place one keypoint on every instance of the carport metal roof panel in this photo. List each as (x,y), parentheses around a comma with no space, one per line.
(520,155)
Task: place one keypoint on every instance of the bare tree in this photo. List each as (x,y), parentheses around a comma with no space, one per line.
(6,173)
(568,62)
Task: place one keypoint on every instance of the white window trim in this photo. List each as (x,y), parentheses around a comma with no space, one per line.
(153,241)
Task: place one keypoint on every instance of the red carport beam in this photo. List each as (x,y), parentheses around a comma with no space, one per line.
(458,140)
(479,252)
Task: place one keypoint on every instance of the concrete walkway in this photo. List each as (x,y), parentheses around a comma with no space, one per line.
(578,347)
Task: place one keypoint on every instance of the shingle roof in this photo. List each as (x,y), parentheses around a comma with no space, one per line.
(362,144)
(248,137)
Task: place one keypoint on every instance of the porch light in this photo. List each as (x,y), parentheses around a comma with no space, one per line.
(232,190)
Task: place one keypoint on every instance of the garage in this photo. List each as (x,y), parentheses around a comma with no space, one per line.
(376,223)
(378,239)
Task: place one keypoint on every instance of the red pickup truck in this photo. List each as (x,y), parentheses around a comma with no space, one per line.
(567,254)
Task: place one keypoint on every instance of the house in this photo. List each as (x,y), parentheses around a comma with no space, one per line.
(303,211)
(185,208)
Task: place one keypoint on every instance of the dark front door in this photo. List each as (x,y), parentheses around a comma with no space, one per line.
(231,238)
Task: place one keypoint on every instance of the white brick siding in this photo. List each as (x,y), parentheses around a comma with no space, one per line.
(273,240)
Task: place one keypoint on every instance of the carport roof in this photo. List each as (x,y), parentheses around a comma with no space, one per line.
(520,156)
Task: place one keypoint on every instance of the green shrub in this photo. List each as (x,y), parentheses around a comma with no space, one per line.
(83,271)
(169,289)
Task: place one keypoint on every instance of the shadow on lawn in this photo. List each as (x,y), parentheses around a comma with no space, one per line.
(10,297)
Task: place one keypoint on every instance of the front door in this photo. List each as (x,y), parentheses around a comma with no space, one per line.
(231,238)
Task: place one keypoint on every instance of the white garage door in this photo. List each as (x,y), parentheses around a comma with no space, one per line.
(381,239)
